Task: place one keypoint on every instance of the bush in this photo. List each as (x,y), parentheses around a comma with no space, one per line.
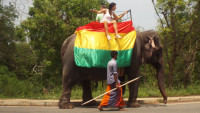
(11,87)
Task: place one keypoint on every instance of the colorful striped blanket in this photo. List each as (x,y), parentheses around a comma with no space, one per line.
(92,49)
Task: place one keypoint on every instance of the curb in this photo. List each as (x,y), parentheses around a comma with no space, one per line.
(30,102)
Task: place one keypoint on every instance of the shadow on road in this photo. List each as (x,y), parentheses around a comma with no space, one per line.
(78,104)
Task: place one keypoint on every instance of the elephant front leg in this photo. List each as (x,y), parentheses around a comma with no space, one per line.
(133,94)
(87,93)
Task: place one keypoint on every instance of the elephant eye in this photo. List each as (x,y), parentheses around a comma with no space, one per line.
(146,40)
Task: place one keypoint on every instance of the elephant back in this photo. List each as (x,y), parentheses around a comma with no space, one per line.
(68,44)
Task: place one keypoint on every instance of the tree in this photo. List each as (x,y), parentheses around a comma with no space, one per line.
(24,61)
(49,23)
(179,27)
(7,34)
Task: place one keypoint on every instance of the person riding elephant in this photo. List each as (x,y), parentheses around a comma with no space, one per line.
(147,48)
(109,17)
(99,17)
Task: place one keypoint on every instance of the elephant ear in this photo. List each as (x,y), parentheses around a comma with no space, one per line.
(158,52)
(159,48)
(157,41)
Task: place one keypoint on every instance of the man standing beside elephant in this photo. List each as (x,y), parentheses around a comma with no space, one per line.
(113,98)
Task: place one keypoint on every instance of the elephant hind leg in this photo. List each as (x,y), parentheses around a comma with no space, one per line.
(68,83)
(64,102)
(87,93)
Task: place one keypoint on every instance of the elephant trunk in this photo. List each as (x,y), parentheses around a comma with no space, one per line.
(160,79)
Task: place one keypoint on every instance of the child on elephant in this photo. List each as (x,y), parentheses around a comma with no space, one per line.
(99,17)
(113,98)
(109,17)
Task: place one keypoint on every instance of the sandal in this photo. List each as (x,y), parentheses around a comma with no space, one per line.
(100,108)
(108,37)
(121,109)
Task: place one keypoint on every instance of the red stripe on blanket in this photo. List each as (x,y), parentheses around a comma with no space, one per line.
(123,27)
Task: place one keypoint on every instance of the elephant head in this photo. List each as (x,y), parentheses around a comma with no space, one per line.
(151,45)
(153,54)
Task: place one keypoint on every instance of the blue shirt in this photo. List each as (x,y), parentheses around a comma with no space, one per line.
(111,71)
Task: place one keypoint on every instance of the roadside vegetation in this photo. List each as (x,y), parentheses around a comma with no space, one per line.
(30,62)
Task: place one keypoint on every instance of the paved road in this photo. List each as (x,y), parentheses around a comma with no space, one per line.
(187,107)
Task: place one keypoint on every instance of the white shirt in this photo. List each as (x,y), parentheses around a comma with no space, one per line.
(107,17)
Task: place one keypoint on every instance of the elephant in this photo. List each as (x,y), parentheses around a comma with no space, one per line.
(147,49)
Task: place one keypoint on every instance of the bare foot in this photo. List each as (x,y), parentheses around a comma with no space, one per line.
(100,108)
(121,109)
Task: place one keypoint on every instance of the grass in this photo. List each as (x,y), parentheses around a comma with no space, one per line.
(144,91)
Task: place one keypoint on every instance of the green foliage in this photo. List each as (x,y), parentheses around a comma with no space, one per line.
(7,33)
(30,64)
(179,30)
(12,87)
(49,24)
(24,61)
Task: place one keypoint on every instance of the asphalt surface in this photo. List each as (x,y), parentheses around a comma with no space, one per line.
(34,102)
(183,107)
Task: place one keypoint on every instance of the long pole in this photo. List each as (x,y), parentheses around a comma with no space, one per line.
(111,90)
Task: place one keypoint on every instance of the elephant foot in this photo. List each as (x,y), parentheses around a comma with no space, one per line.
(65,105)
(134,104)
(93,103)
(165,100)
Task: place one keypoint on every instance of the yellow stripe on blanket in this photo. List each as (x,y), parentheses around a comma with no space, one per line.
(97,40)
